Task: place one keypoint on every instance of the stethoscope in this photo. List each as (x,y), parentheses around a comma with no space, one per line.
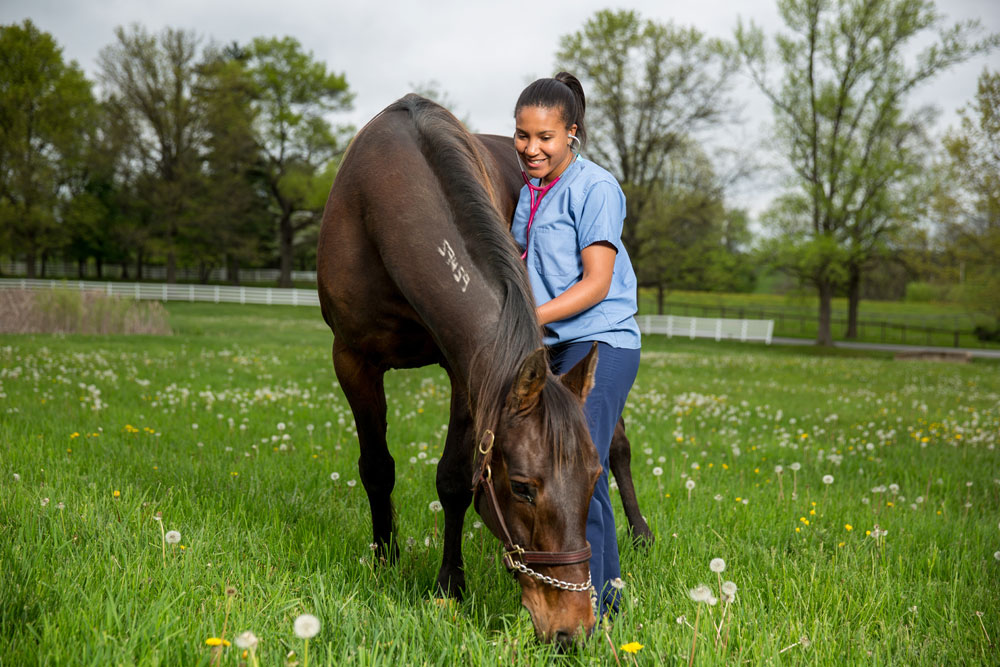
(536,192)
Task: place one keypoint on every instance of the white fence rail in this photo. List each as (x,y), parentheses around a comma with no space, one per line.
(272,296)
(72,271)
(670,325)
(707,327)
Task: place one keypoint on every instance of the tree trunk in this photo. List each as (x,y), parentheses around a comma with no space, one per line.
(286,234)
(138,264)
(659,298)
(29,265)
(124,271)
(45,259)
(853,299)
(171,264)
(823,335)
(100,267)
(233,270)
(80,264)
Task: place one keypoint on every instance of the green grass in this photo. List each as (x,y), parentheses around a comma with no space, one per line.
(796,315)
(87,584)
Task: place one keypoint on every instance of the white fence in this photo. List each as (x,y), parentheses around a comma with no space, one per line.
(707,327)
(670,325)
(165,292)
(68,270)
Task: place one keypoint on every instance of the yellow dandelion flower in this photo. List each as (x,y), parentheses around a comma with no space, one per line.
(74,434)
(117,493)
(631,647)
(234,474)
(797,529)
(216,641)
(842,544)
(812,512)
(848,526)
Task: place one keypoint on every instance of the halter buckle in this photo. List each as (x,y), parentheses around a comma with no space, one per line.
(488,439)
(508,557)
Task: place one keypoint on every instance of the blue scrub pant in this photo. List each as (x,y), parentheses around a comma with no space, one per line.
(613,378)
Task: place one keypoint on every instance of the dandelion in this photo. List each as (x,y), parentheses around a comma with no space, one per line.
(248,642)
(217,641)
(689,485)
(700,593)
(334,476)
(657,471)
(717,565)
(996,555)
(45,501)
(351,482)
(435,507)
(729,589)
(778,470)
(795,467)
(632,647)
(306,627)
(173,537)
(17,478)
(117,493)
(281,426)
(828,479)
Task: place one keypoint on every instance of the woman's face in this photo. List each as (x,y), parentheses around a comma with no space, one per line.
(542,140)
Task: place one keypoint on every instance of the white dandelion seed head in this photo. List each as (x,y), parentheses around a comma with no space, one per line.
(617,583)
(435,506)
(172,537)
(657,471)
(894,489)
(700,593)
(17,478)
(779,469)
(281,427)
(689,484)
(334,476)
(746,501)
(996,554)
(717,565)
(44,501)
(828,479)
(712,601)
(477,524)
(60,506)
(718,497)
(729,588)
(681,620)
(306,626)
(247,641)
(351,482)
(796,467)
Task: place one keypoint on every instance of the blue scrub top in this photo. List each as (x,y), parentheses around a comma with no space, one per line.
(585,206)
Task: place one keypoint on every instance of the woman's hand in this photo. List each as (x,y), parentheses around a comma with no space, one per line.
(598,267)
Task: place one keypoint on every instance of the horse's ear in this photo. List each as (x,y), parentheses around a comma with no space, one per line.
(580,378)
(530,380)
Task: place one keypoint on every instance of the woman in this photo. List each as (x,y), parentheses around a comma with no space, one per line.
(569,222)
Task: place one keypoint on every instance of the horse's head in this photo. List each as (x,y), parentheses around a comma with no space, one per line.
(542,468)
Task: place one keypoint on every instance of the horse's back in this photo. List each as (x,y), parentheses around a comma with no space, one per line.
(397,278)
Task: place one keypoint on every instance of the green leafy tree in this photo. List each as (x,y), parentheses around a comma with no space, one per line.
(838,105)
(967,201)
(152,80)
(294,94)
(46,107)
(651,87)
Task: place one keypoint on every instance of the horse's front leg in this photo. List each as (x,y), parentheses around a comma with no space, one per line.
(363,385)
(454,480)
(621,466)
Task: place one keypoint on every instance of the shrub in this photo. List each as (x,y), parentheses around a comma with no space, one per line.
(71,311)
(925,292)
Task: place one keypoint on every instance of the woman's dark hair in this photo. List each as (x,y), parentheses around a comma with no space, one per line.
(563,91)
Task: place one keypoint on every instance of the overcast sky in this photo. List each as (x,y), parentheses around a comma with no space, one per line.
(481,54)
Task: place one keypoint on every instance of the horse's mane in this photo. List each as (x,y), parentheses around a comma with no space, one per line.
(459,163)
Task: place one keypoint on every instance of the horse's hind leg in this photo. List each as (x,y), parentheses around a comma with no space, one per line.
(365,391)
(454,481)
(621,467)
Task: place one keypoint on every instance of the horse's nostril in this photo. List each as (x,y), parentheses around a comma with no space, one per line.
(563,638)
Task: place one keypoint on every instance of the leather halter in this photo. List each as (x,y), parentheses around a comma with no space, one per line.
(482,483)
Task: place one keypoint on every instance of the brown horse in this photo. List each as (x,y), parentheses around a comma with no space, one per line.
(416,267)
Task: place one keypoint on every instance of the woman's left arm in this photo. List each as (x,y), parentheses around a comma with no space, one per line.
(598,267)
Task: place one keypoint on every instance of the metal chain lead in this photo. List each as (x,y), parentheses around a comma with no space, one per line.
(551,581)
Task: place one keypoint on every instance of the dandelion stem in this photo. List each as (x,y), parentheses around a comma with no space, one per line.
(979,615)
(305,654)
(694,641)
(790,646)
(613,651)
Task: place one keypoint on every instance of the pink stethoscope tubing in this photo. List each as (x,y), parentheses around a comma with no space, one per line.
(534,190)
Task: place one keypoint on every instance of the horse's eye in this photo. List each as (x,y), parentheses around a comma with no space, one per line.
(523,491)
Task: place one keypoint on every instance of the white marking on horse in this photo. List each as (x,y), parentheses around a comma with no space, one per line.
(458,271)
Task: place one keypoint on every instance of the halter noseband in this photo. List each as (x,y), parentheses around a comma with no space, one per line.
(515,557)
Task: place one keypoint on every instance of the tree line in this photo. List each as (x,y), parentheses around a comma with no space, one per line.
(210,156)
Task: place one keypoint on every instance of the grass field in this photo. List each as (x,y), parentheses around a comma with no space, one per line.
(234,433)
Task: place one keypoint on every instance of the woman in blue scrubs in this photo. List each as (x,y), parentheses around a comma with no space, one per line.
(568,223)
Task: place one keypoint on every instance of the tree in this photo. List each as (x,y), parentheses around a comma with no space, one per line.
(46,106)
(967,202)
(688,237)
(232,214)
(152,78)
(294,94)
(650,89)
(839,119)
